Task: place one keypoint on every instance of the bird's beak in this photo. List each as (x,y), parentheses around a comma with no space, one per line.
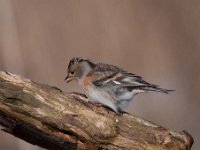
(68,79)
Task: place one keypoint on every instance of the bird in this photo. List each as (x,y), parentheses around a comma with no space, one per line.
(107,84)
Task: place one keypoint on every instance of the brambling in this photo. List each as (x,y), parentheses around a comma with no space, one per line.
(107,84)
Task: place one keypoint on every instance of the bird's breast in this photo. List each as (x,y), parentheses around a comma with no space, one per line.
(87,81)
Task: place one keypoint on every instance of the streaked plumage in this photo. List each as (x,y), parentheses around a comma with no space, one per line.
(108,84)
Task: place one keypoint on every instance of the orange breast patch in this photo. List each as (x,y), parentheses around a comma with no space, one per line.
(87,81)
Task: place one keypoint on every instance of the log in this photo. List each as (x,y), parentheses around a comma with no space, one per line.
(46,116)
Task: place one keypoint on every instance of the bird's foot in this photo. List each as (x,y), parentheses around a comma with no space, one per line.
(96,104)
(79,96)
(85,99)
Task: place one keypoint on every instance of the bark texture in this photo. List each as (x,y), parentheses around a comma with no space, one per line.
(46,116)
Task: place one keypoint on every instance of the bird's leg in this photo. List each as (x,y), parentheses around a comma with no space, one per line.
(84,98)
(96,104)
(80,96)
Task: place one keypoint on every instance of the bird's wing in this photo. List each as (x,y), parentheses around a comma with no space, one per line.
(121,85)
(112,75)
(122,82)
(119,81)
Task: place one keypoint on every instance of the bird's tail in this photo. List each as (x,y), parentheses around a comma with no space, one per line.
(156,88)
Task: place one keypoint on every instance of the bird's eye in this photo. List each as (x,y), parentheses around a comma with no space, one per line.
(72,72)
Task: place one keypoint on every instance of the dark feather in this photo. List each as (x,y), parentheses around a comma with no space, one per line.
(149,88)
(126,81)
(77,60)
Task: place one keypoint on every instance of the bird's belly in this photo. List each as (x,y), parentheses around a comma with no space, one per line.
(92,92)
(102,97)
(126,96)
(96,95)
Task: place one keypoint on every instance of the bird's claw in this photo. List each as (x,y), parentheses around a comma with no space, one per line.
(80,96)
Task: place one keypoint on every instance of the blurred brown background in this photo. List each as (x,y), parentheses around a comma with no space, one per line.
(158,40)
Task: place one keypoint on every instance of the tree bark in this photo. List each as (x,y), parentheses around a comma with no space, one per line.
(46,116)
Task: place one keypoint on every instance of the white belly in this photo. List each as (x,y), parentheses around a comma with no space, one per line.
(99,96)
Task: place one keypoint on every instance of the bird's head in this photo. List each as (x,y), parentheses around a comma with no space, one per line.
(78,68)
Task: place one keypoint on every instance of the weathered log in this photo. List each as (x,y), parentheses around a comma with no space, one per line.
(46,116)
